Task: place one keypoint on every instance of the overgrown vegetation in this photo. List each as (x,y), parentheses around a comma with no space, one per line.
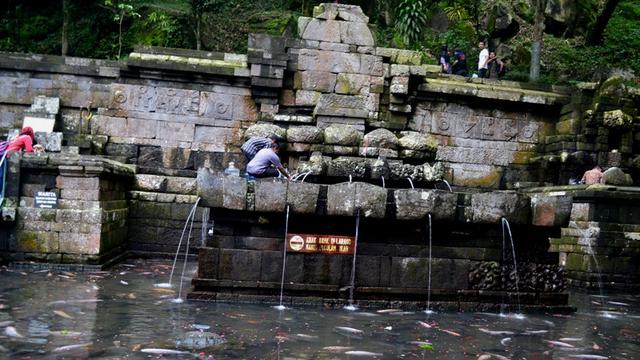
(110,29)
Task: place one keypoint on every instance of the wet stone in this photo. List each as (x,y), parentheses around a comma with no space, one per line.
(372,200)
(491,207)
(341,199)
(270,195)
(416,204)
(303,197)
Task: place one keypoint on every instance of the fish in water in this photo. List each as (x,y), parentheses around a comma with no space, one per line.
(349,330)
(6,323)
(450,332)
(492,356)
(124,282)
(163,351)
(79,301)
(362,353)
(588,356)
(496,332)
(505,341)
(62,314)
(305,337)
(424,324)
(3,349)
(10,331)
(617,303)
(71,347)
(559,343)
(337,349)
(420,343)
(570,339)
(387,311)
(65,333)
(535,332)
(200,327)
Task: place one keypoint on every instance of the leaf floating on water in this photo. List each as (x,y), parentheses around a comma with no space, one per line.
(165,291)
(131,296)
(62,314)
(426,346)
(65,333)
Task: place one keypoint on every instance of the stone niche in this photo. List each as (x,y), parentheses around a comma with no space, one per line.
(89,223)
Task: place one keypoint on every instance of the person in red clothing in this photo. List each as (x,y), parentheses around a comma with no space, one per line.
(24,141)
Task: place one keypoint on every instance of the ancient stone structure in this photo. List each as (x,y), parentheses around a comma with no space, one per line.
(348,110)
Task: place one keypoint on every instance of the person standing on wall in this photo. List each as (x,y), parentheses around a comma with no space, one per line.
(483,59)
(445,60)
(495,66)
(266,163)
(252,146)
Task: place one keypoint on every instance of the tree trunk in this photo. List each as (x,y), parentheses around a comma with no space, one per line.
(595,36)
(198,38)
(65,27)
(536,46)
(120,34)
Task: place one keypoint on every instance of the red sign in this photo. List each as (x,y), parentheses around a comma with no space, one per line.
(326,244)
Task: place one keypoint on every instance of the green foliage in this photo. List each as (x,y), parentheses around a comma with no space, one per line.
(411,18)
(456,13)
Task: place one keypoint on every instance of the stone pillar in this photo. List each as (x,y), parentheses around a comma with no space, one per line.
(88,226)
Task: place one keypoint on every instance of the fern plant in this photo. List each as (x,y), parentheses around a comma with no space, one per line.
(411,18)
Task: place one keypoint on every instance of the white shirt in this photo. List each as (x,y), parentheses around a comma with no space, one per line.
(482,60)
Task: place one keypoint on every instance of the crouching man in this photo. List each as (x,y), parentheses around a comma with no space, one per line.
(266,163)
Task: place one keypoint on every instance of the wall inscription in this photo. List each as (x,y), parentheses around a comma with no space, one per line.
(326,244)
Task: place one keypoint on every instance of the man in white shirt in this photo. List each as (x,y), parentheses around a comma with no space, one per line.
(483,59)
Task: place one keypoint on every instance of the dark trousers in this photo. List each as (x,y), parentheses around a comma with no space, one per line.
(268,172)
(482,73)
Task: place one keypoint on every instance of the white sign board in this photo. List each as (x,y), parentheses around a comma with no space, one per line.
(39,124)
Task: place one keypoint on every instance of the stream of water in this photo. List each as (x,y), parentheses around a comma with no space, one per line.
(119,314)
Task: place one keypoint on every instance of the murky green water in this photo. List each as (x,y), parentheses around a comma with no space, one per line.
(119,315)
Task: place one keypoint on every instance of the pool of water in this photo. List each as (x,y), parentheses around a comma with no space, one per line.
(119,314)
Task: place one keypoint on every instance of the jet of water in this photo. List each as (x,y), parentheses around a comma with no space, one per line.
(186,251)
(428,309)
(383,184)
(353,264)
(175,259)
(505,225)
(411,182)
(284,259)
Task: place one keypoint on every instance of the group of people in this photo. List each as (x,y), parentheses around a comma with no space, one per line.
(489,66)
(24,141)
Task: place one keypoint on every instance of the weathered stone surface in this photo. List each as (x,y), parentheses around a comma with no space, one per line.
(264,130)
(331,61)
(616,119)
(615,176)
(234,194)
(210,187)
(322,81)
(303,197)
(52,142)
(416,204)
(550,209)
(372,200)
(352,84)
(146,182)
(351,13)
(476,175)
(413,140)
(305,134)
(491,207)
(380,138)
(307,98)
(399,85)
(342,135)
(317,164)
(341,199)
(325,11)
(341,105)
(271,195)
(356,33)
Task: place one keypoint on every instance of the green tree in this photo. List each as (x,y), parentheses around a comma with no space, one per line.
(411,19)
(121,9)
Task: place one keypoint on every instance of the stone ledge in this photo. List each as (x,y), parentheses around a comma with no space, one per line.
(497,91)
(76,165)
(60,64)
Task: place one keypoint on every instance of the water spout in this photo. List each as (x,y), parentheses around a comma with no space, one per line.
(350,178)
(411,182)
(352,283)
(505,226)
(284,259)
(186,252)
(584,235)
(175,259)
(428,309)
(305,175)
(205,224)
(448,186)
(383,184)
